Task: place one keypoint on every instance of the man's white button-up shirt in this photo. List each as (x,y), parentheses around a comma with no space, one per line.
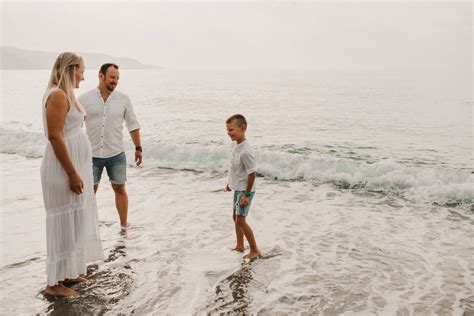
(104,121)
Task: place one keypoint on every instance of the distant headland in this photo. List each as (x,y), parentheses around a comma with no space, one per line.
(13,58)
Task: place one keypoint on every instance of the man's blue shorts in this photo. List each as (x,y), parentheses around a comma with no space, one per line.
(116,168)
(242,210)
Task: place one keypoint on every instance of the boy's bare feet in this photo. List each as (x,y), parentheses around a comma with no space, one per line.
(253,254)
(74,281)
(60,290)
(239,249)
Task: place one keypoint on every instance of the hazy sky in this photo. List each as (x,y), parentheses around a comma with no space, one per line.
(250,34)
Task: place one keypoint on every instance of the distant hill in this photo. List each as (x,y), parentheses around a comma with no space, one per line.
(16,59)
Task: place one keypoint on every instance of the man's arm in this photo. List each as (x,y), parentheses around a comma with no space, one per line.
(134,129)
(135,135)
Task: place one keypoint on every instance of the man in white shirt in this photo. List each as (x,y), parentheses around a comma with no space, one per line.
(106,111)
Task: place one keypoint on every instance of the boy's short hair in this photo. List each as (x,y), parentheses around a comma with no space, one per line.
(239,118)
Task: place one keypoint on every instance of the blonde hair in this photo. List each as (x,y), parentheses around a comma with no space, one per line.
(63,76)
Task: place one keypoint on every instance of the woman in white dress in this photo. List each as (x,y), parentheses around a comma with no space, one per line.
(66,176)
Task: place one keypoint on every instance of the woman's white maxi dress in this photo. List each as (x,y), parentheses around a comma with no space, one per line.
(72,233)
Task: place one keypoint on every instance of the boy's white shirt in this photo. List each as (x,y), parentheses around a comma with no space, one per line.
(242,163)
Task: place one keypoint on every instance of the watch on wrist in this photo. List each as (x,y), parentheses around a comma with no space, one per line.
(139,148)
(248,194)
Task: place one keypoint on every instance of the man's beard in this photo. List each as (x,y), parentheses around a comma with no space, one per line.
(110,87)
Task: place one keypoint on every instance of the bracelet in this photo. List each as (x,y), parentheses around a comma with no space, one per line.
(248,194)
(138,148)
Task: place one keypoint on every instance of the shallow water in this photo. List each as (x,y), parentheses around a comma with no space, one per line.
(326,251)
(364,201)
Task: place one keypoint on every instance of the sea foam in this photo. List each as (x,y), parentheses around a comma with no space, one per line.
(431,184)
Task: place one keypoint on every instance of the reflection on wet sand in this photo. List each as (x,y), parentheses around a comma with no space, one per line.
(232,293)
(106,285)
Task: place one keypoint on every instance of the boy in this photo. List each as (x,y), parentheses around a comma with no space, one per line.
(242,174)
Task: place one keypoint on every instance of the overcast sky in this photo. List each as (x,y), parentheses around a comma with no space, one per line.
(250,34)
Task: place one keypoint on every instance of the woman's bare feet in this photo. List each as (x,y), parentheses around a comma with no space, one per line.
(74,281)
(60,290)
(253,254)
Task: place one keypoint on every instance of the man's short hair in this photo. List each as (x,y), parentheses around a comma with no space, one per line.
(239,118)
(105,67)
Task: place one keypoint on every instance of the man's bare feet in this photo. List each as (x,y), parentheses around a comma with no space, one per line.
(253,254)
(239,249)
(60,290)
(74,281)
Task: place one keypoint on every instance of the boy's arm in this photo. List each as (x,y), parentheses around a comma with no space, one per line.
(244,200)
(250,181)
(248,160)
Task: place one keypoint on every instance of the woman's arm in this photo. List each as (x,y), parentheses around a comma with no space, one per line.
(56,112)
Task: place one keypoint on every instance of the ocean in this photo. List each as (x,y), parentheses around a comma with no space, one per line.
(364,202)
